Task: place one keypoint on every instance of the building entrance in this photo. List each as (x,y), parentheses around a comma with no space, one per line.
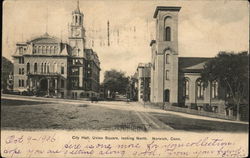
(166,95)
(44,85)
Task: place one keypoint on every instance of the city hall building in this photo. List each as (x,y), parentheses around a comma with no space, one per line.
(47,66)
(176,80)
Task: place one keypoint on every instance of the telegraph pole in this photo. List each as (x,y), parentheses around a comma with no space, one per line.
(108,33)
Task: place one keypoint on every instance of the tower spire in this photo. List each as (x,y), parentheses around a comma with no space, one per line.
(46,31)
(77,7)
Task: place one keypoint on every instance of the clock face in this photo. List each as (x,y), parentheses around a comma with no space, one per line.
(77,32)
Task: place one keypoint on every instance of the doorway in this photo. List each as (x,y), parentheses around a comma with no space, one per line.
(166,95)
(44,85)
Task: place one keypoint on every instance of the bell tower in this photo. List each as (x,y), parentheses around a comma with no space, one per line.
(77,33)
(166,56)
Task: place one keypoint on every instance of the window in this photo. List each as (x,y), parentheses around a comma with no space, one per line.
(42,68)
(22,71)
(62,69)
(34,50)
(186,88)
(51,49)
(200,89)
(75,71)
(48,67)
(21,60)
(45,67)
(47,50)
(43,49)
(75,82)
(214,89)
(167,58)
(35,68)
(40,49)
(62,83)
(167,34)
(22,83)
(55,67)
(76,19)
(55,49)
(80,19)
(21,50)
(167,74)
(28,67)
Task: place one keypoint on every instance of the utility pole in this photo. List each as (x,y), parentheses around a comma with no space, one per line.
(144,85)
(108,33)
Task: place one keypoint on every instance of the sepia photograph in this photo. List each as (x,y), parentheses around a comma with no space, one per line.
(137,67)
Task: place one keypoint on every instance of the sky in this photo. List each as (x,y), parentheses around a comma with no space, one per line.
(204,27)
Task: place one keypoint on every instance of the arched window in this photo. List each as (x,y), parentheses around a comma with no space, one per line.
(214,89)
(48,65)
(47,50)
(55,49)
(200,89)
(34,50)
(62,68)
(28,67)
(43,49)
(35,68)
(167,34)
(42,68)
(45,66)
(167,58)
(167,75)
(186,88)
(40,49)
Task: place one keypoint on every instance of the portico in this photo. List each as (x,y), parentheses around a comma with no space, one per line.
(47,84)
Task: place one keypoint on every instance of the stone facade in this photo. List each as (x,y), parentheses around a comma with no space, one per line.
(176,80)
(46,66)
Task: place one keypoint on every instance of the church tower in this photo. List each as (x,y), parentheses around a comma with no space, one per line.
(165,55)
(77,33)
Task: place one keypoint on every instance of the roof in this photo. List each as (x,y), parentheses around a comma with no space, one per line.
(166,8)
(192,64)
(46,38)
(77,10)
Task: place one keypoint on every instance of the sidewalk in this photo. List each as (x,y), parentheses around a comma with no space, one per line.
(191,115)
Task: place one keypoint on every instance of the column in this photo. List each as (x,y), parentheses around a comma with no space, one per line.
(31,84)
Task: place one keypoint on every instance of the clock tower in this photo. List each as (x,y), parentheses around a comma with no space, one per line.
(77,33)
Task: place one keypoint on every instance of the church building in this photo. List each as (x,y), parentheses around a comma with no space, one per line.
(45,66)
(176,80)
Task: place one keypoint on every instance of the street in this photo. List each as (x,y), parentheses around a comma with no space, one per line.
(36,113)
